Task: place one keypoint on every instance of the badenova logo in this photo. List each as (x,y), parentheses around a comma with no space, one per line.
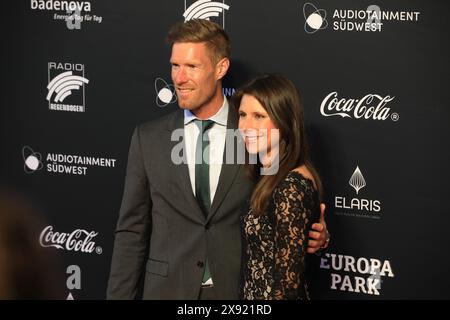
(62,163)
(74,13)
(370,19)
(369,107)
(60,5)
(205,9)
(357,206)
(66,87)
(356,274)
(79,240)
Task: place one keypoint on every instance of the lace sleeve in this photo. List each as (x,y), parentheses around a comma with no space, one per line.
(292,215)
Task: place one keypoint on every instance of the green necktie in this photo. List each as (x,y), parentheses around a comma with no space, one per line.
(202,192)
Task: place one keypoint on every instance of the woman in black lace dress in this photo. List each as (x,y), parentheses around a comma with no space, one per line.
(286,197)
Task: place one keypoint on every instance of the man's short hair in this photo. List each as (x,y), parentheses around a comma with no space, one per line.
(200,30)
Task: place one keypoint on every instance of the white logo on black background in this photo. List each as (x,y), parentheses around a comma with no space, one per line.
(357,180)
(73,13)
(32,160)
(370,19)
(205,9)
(62,163)
(315,19)
(66,81)
(165,93)
(79,240)
(355,206)
(62,5)
(369,107)
(63,85)
(356,274)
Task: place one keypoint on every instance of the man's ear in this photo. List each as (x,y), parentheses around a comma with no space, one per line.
(222,68)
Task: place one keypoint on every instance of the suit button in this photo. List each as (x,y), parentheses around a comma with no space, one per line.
(207,227)
(200,264)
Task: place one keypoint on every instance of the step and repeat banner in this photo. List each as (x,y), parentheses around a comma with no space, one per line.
(78,76)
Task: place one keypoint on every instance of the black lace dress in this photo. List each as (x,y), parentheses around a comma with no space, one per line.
(274,244)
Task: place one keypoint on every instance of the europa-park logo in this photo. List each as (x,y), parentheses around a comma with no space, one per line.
(356,274)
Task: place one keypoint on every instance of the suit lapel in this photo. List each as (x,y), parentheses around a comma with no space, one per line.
(228,171)
(181,174)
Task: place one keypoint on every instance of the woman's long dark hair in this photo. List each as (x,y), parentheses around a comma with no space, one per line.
(280,98)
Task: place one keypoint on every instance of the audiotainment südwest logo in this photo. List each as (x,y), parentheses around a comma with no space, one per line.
(370,19)
(206,9)
(66,88)
(372,106)
(356,206)
(315,19)
(73,13)
(356,274)
(165,93)
(62,163)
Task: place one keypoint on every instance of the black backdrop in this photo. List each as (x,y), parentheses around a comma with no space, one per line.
(385,179)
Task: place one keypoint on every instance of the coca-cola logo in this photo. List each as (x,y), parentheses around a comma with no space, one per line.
(371,106)
(77,240)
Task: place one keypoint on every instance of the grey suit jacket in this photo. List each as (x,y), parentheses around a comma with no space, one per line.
(162,237)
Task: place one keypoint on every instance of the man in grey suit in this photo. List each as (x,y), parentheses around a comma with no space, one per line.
(178,233)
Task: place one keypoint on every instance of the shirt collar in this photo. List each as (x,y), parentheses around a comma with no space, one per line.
(221,116)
